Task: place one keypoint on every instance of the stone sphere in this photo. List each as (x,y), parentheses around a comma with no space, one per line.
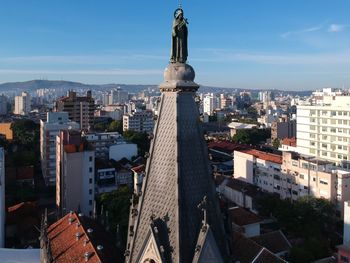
(179,71)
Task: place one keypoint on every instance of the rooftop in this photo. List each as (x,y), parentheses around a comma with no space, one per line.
(242,217)
(239,125)
(270,157)
(225,146)
(274,241)
(70,240)
(290,141)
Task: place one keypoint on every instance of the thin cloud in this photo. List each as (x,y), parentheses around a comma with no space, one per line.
(302,31)
(229,56)
(108,72)
(334,28)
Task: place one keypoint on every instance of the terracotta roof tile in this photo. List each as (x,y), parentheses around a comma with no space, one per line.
(290,141)
(263,155)
(66,247)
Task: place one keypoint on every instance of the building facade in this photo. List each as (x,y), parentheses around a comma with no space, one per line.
(49,129)
(139,121)
(3,105)
(75,174)
(324,130)
(2,198)
(22,104)
(292,175)
(80,109)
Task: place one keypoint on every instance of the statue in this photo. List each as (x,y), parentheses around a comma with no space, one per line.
(179,51)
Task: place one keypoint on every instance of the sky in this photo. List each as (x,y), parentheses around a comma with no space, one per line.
(250,44)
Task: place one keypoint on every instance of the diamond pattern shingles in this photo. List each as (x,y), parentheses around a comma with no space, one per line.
(177,178)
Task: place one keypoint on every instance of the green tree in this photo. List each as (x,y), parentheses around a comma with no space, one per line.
(251,136)
(116,126)
(141,139)
(276,143)
(117,203)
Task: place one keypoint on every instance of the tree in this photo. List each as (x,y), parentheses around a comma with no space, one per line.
(141,139)
(117,203)
(116,126)
(251,136)
(276,143)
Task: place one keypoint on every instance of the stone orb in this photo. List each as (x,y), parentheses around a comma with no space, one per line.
(179,71)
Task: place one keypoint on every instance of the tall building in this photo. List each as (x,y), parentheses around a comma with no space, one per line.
(49,129)
(209,104)
(119,96)
(80,109)
(324,130)
(22,104)
(140,121)
(2,198)
(177,217)
(75,174)
(3,105)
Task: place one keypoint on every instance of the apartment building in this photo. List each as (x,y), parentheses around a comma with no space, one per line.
(80,109)
(140,121)
(75,174)
(49,129)
(22,104)
(101,142)
(292,175)
(323,130)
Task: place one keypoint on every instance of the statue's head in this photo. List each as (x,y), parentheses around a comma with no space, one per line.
(179,13)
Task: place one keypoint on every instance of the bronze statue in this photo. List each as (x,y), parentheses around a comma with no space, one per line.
(179,51)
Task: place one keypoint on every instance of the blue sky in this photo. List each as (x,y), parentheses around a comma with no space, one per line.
(295,44)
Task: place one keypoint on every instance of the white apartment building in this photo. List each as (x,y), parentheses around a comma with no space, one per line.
(2,198)
(324,130)
(49,129)
(292,175)
(3,105)
(210,103)
(101,141)
(140,121)
(22,104)
(75,171)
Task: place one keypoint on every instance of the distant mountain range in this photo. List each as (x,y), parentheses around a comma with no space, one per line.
(33,85)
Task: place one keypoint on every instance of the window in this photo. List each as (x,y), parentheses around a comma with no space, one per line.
(340,122)
(324,153)
(344,259)
(312,143)
(324,121)
(90,191)
(333,121)
(313,136)
(323,182)
(301,176)
(90,202)
(345,113)
(340,113)
(324,137)
(324,129)
(339,147)
(312,120)
(324,145)
(312,112)
(333,113)
(90,169)
(90,180)
(90,159)
(333,130)
(324,112)
(312,127)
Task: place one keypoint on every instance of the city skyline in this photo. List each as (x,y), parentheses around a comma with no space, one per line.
(295,46)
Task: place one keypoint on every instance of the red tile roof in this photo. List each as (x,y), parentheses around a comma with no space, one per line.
(242,217)
(270,157)
(290,141)
(139,169)
(66,247)
(226,146)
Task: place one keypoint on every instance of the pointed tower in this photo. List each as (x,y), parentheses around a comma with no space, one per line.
(167,223)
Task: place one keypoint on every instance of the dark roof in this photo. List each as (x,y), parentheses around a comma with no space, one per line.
(274,241)
(242,217)
(241,186)
(246,250)
(225,146)
(139,169)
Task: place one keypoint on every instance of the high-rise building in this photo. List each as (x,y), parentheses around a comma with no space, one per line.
(2,198)
(324,130)
(22,104)
(80,109)
(209,104)
(119,96)
(140,121)
(177,217)
(49,129)
(3,105)
(75,174)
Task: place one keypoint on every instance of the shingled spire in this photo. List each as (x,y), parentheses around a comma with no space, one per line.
(166,224)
